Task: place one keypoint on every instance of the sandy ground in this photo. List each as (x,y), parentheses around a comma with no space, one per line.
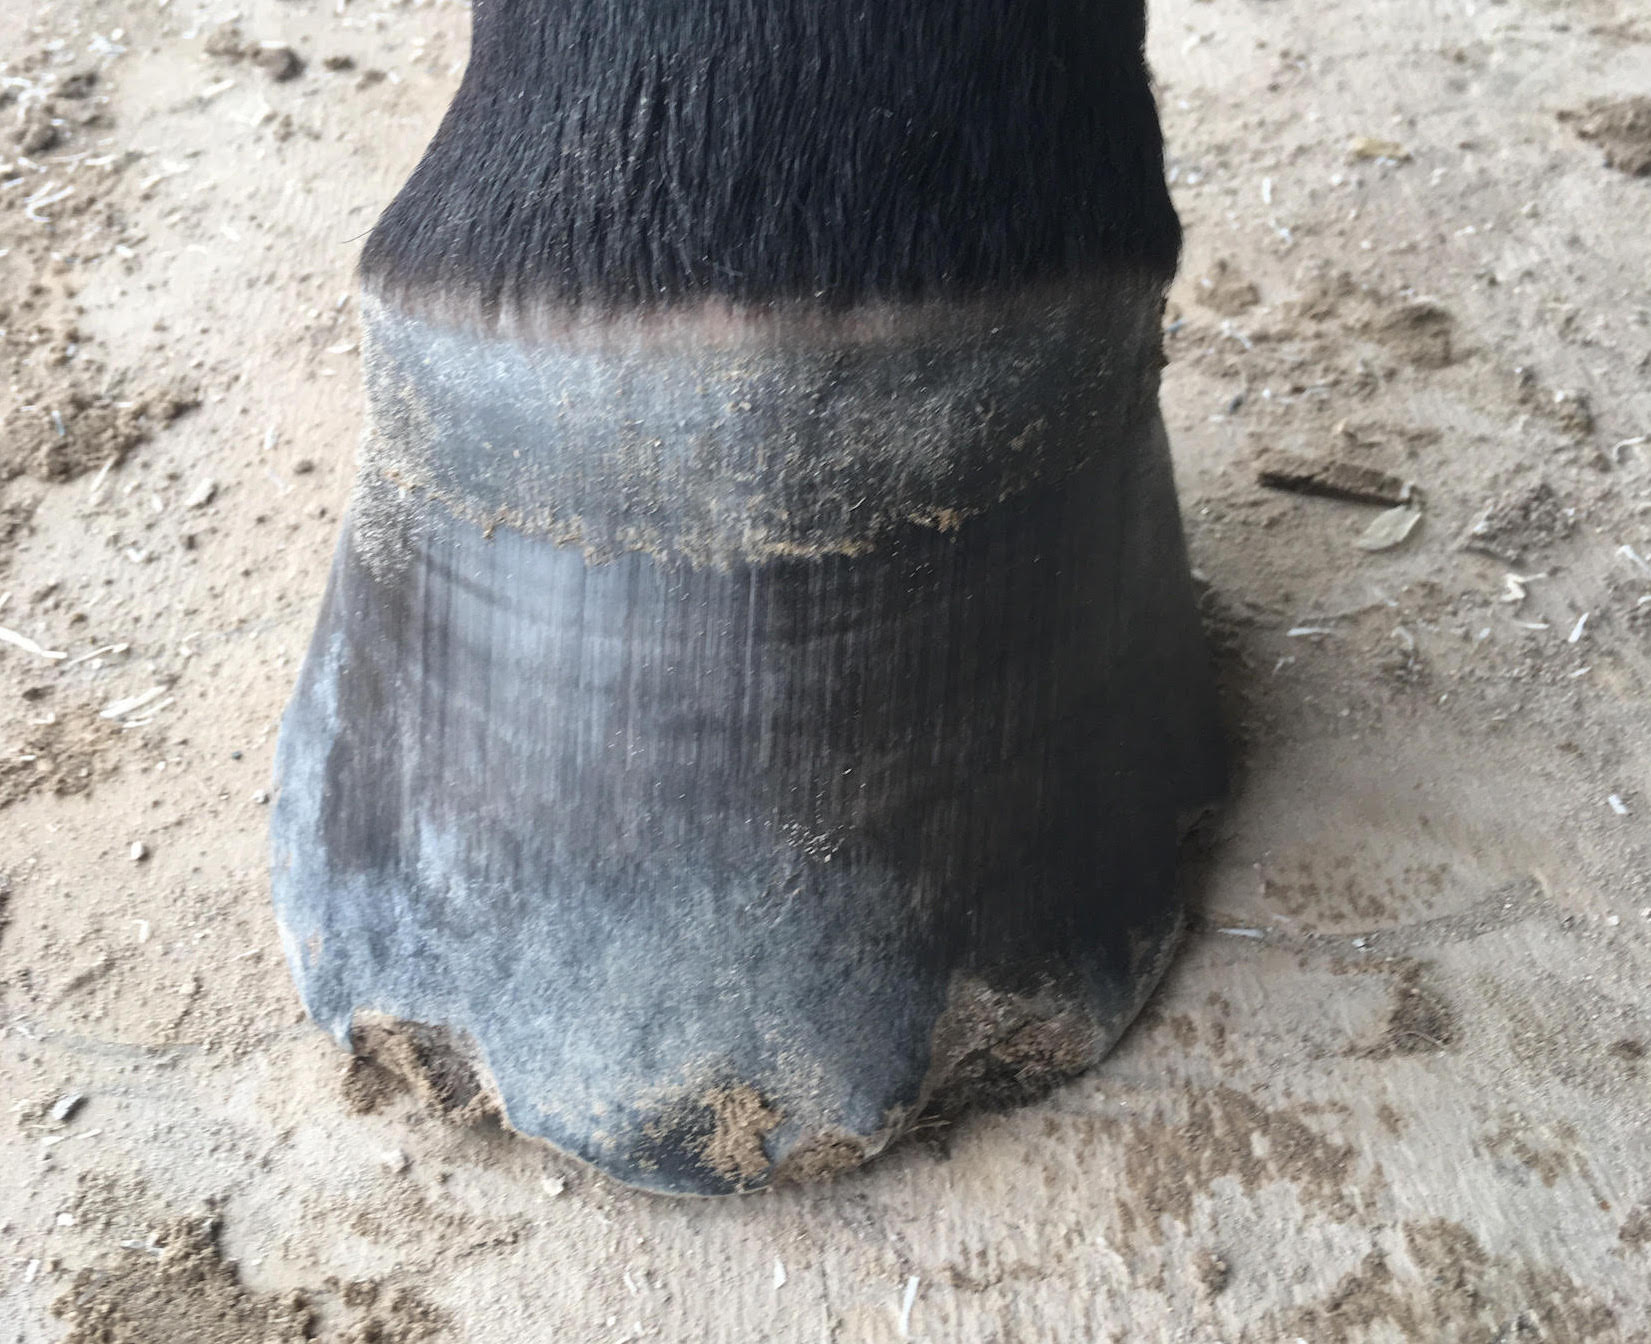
(1396,1088)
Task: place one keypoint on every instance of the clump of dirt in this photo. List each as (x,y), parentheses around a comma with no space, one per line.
(1419,1022)
(178,1286)
(1228,1135)
(1460,1276)
(821,1159)
(82,431)
(38,130)
(1324,293)
(65,412)
(1315,346)
(1452,1282)
(1214,1273)
(15,516)
(53,757)
(1521,522)
(111,1204)
(1549,1164)
(1635,1231)
(38,331)
(55,444)
(1570,412)
(1311,355)
(740,1120)
(77,84)
(1619,126)
(1420,332)
(1447,1251)
(367,1085)
(277,60)
(1225,291)
(1360,1299)
(432,1062)
(51,116)
(227,42)
(400,1315)
(42,122)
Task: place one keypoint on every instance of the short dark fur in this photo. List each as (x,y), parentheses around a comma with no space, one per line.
(621,152)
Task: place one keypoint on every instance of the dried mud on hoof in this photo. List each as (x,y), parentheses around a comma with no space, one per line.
(992,1051)
(722,1131)
(996,1050)
(438,1067)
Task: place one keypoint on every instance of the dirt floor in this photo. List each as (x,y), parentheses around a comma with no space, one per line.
(1397,1087)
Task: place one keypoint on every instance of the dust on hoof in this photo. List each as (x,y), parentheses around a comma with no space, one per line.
(996,1049)
(993,1049)
(718,1131)
(1023,1068)
(441,1067)
(822,1158)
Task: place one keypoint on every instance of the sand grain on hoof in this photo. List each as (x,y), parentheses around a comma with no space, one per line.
(742,1119)
(722,1129)
(995,1050)
(822,1158)
(438,1066)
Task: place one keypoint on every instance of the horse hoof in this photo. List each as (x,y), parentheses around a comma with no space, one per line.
(727,738)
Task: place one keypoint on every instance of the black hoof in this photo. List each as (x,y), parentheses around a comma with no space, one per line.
(738,741)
